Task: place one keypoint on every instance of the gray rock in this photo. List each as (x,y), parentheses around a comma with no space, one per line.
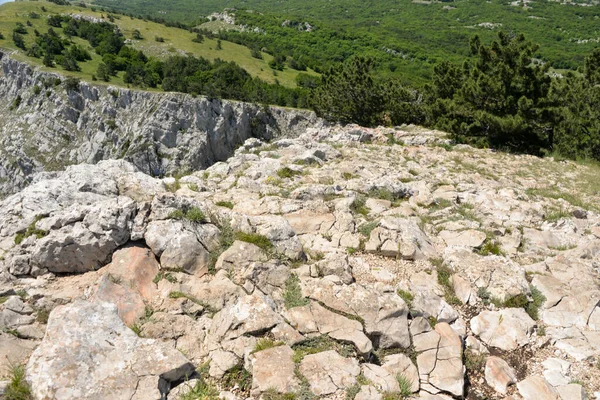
(88,353)
(499,375)
(327,372)
(506,329)
(274,369)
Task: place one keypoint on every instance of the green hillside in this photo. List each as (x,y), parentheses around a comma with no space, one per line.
(176,41)
(408,36)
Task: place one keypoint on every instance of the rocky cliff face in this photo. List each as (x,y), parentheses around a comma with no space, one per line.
(314,267)
(46,127)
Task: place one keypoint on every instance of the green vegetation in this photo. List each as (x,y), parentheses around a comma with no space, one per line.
(256,239)
(292,293)
(238,376)
(444,273)
(266,343)
(287,172)
(226,204)
(366,228)
(358,205)
(320,344)
(193,214)
(17,388)
(202,390)
(32,230)
(408,297)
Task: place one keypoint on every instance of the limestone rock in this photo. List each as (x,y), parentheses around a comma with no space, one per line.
(313,318)
(499,375)
(398,237)
(327,372)
(89,353)
(385,314)
(440,360)
(536,388)
(402,365)
(506,329)
(274,369)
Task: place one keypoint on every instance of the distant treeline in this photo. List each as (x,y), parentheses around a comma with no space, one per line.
(185,74)
(501,97)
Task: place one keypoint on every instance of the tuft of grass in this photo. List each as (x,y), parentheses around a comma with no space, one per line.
(490,246)
(266,343)
(320,344)
(226,204)
(473,362)
(238,376)
(273,394)
(444,275)
(194,214)
(358,206)
(42,315)
(203,390)
(18,388)
(554,214)
(408,297)
(537,301)
(292,293)
(256,239)
(287,172)
(366,228)
(32,230)
(162,275)
(405,385)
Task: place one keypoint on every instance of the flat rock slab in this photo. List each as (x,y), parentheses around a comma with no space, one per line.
(274,369)
(469,238)
(328,372)
(536,388)
(89,353)
(499,375)
(506,329)
(314,318)
(440,360)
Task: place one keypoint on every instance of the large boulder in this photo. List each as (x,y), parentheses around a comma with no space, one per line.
(274,369)
(506,329)
(328,372)
(89,353)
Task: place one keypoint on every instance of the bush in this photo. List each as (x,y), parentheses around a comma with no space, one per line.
(72,84)
(17,389)
(292,293)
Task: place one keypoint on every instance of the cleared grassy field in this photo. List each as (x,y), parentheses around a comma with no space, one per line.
(176,41)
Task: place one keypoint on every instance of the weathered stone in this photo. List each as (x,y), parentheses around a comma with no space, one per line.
(314,318)
(385,314)
(440,360)
(506,329)
(536,388)
(499,375)
(89,353)
(274,369)
(402,365)
(381,378)
(368,392)
(328,372)
(468,238)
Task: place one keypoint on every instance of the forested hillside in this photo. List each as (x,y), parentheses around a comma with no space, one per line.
(403,35)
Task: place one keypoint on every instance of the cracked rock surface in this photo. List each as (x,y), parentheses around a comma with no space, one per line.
(311,266)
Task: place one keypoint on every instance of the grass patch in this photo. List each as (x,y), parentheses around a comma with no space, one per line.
(405,385)
(491,246)
(256,239)
(555,214)
(287,172)
(444,273)
(408,297)
(292,293)
(238,376)
(202,390)
(32,230)
(473,362)
(162,275)
(320,344)
(193,214)
(226,204)
(18,388)
(358,205)
(366,228)
(266,343)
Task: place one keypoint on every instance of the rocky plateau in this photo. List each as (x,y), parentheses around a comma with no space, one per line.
(314,261)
